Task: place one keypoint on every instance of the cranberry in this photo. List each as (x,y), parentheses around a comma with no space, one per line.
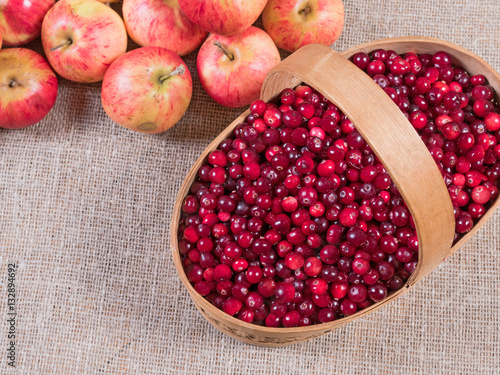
(476,210)
(477,79)
(312,266)
(267,287)
(396,283)
(240,291)
(480,195)
(371,277)
(284,292)
(441,59)
(483,107)
(357,293)
(318,286)
(360,266)
(294,260)
(492,121)
(348,217)
(375,67)
(348,307)
(356,236)
(377,292)
(246,314)
(422,85)
(231,306)
(361,60)
(385,270)
(272,320)
(258,107)
(326,315)
(291,319)
(273,117)
(399,216)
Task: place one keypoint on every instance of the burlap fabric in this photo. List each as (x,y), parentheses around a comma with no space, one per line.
(85,213)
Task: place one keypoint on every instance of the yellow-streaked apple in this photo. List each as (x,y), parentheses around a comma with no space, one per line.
(82,38)
(21,20)
(161,23)
(28,88)
(295,23)
(232,68)
(147,90)
(223,17)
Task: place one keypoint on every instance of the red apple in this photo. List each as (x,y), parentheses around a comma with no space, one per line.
(223,17)
(28,88)
(295,23)
(21,20)
(82,38)
(147,90)
(161,23)
(232,68)
(1,39)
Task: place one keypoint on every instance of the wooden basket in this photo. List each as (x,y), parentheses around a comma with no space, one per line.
(394,141)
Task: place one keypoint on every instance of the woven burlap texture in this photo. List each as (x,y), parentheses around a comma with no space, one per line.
(85,213)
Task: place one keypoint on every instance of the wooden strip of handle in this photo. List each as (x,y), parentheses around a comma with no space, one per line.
(389,134)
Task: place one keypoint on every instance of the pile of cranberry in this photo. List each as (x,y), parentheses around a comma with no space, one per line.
(295,221)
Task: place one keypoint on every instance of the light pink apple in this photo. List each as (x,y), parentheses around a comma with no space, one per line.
(81,38)
(295,23)
(28,88)
(21,20)
(147,90)
(232,68)
(161,23)
(223,17)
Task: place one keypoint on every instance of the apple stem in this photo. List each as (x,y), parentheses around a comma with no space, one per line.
(13,83)
(66,43)
(180,70)
(305,11)
(229,55)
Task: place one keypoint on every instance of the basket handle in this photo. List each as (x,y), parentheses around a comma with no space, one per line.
(389,134)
